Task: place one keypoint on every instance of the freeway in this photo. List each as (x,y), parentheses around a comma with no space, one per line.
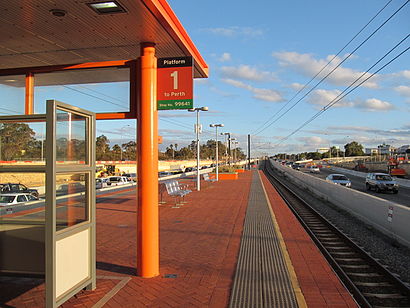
(358,183)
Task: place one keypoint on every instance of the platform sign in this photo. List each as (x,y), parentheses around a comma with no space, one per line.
(175,83)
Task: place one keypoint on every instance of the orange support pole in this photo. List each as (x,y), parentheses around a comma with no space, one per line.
(147,138)
(29,103)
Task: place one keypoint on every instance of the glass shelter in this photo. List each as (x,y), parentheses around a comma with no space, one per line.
(50,231)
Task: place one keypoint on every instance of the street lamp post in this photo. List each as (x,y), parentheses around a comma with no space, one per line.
(233,142)
(121,139)
(216,147)
(226,145)
(197,129)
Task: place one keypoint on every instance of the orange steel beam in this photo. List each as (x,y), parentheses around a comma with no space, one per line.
(164,13)
(62,67)
(29,101)
(147,138)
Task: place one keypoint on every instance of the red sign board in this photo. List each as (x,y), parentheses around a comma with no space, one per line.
(175,83)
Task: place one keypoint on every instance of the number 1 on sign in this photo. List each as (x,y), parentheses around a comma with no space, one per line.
(174,75)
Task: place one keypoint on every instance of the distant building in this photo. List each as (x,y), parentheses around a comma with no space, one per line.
(385,149)
(403,149)
(322,150)
(371,151)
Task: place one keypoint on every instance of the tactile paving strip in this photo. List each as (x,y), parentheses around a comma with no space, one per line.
(261,278)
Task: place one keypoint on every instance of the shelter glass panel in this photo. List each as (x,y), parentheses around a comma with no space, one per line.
(71,199)
(12,92)
(22,143)
(71,138)
(102,90)
(22,222)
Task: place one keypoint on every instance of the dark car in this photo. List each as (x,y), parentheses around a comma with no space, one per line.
(131,177)
(8,188)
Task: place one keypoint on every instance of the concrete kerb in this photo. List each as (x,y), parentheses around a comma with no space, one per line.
(388,217)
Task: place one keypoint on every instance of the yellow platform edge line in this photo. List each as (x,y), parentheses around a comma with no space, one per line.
(293,277)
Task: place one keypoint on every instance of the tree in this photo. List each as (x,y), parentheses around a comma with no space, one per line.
(102,148)
(116,152)
(15,140)
(130,152)
(314,155)
(354,149)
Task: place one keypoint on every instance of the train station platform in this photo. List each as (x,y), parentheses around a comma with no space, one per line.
(232,244)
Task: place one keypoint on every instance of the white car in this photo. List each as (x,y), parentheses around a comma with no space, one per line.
(340,179)
(15,198)
(117,180)
(314,169)
(101,183)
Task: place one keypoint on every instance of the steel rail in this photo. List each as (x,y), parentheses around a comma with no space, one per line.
(371,284)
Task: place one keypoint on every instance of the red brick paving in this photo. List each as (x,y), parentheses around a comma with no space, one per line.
(318,282)
(199,242)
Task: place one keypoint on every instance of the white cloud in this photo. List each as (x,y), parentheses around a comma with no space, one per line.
(321,98)
(267,95)
(403,90)
(247,72)
(296,86)
(313,141)
(236,31)
(374,104)
(307,65)
(403,74)
(226,56)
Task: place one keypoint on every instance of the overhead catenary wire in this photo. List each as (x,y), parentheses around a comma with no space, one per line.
(321,70)
(340,96)
(257,132)
(94,96)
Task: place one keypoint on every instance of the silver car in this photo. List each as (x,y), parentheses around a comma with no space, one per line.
(381,182)
(339,179)
(16,198)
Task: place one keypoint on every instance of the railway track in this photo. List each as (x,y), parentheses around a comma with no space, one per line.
(371,284)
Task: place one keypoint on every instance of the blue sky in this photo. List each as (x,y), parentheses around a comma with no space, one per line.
(261,53)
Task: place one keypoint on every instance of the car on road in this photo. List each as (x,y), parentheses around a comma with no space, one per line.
(70,188)
(381,182)
(131,177)
(314,169)
(340,179)
(7,188)
(117,180)
(296,166)
(101,183)
(16,198)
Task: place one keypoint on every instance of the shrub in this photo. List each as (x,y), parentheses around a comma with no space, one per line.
(227,169)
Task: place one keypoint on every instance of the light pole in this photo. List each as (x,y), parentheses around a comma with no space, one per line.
(233,140)
(197,130)
(226,144)
(121,139)
(235,143)
(216,147)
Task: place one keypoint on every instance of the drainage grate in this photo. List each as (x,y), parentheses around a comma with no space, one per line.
(171,276)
